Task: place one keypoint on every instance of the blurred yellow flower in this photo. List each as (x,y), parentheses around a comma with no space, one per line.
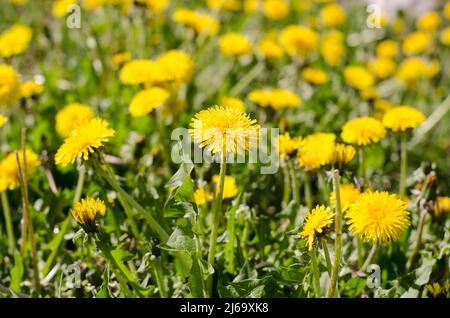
(348,193)
(9,174)
(233,102)
(9,85)
(288,145)
(72,116)
(61,7)
(403,117)
(332,48)
(200,22)
(381,106)
(445,36)
(316,222)
(85,211)
(234,44)
(270,49)
(378,217)
(276,9)
(315,75)
(358,77)
(92,4)
(298,40)
(363,131)
(429,21)
(31,88)
(229,5)
(147,100)
(83,141)
(387,49)
(3,120)
(316,150)
(332,15)
(120,58)
(156,6)
(201,196)
(447,10)
(277,98)
(417,42)
(382,67)
(251,6)
(224,128)
(15,40)
(442,205)
(177,65)
(414,68)
(230,189)
(141,71)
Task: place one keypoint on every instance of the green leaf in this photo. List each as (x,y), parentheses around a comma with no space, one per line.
(181,240)
(374,156)
(249,288)
(104,288)
(16,273)
(179,176)
(423,273)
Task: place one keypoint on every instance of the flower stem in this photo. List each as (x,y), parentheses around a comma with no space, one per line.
(295,186)
(369,257)
(247,79)
(327,256)
(80,183)
(323,180)
(315,272)
(8,221)
(308,192)
(362,168)
(286,185)
(403,165)
(216,218)
(338,240)
(418,240)
(359,252)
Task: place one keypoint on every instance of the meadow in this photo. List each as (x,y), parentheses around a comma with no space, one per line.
(101,197)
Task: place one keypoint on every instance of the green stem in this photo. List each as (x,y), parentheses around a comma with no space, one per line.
(247,79)
(286,185)
(369,257)
(159,278)
(315,272)
(338,240)
(362,168)
(308,192)
(403,165)
(327,256)
(216,217)
(80,183)
(359,252)
(323,181)
(8,221)
(295,186)
(418,240)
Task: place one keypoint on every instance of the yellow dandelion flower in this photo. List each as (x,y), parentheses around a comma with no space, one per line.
(363,131)
(234,44)
(276,98)
(298,40)
(230,189)
(402,118)
(358,77)
(387,49)
(141,71)
(3,120)
(15,40)
(147,100)
(275,9)
(233,102)
(315,75)
(156,6)
(447,10)
(176,65)
(72,116)
(9,174)
(83,141)
(369,93)
(228,5)
(316,222)
(412,69)
(288,145)
(120,58)
(251,6)
(92,4)
(9,85)
(316,150)
(342,154)
(200,22)
(429,21)
(332,15)
(417,42)
(349,194)
(445,36)
(201,196)
(269,49)
(220,128)
(332,48)
(382,67)
(31,88)
(85,211)
(61,7)
(442,206)
(378,217)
